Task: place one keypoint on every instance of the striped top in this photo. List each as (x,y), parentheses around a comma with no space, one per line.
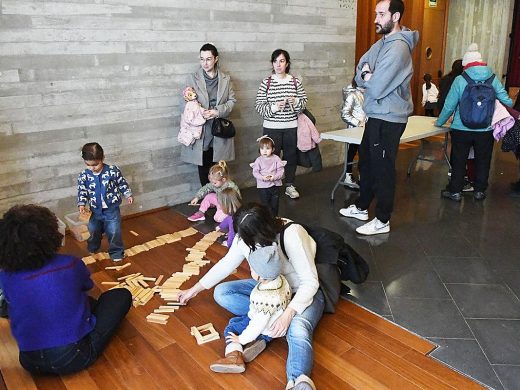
(278,90)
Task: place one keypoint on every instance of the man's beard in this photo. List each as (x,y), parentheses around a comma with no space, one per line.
(386,29)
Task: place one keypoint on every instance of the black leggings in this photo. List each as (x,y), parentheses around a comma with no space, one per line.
(109,309)
(207,162)
(286,140)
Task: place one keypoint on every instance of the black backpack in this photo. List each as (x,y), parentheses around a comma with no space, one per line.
(477,103)
(336,261)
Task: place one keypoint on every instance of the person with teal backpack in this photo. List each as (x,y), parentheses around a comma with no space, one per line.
(471,100)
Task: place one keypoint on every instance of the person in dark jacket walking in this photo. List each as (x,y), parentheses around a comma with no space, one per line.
(463,138)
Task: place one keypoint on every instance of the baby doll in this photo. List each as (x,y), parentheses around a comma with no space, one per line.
(191,119)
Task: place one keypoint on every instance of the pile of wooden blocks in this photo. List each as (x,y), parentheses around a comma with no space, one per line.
(96,257)
(169,291)
(138,286)
(158,241)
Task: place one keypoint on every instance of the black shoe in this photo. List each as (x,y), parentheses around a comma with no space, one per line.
(479,195)
(456,196)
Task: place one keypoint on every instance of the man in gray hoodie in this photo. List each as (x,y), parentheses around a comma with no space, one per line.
(384,71)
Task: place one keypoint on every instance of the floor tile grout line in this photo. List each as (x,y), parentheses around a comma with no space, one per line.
(476,339)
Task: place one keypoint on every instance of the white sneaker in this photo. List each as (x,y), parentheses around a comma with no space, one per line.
(353,212)
(291,192)
(350,182)
(375,226)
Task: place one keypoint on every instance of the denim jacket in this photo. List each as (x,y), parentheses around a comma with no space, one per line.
(114,187)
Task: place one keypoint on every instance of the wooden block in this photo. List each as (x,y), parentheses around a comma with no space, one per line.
(158,280)
(158,316)
(174,297)
(191,270)
(148,278)
(124,266)
(136,249)
(110,283)
(146,298)
(134,233)
(168,310)
(130,276)
(161,241)
(136,290)
(143,283)
(89,260)
(162,322)
(174,284)
(188,232)
(141,294)
(85,236)
(175,304)
(129,252)
(169,290)
(204,333)
(99,256)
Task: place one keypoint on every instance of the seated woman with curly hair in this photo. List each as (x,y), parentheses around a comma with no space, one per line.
(58,327)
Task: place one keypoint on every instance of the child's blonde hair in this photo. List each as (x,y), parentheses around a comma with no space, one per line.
(219,171)
(229,200)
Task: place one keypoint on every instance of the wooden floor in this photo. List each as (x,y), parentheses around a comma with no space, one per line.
(354,349)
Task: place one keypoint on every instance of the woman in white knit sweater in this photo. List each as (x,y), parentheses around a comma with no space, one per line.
(256,227)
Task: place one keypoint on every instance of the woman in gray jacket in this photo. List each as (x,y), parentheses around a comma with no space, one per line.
(215,94)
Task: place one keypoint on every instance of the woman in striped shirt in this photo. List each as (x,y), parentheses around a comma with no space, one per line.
(279,100)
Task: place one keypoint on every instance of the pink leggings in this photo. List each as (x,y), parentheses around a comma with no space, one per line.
(211,200)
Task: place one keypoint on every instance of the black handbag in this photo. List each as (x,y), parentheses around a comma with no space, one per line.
(222,128)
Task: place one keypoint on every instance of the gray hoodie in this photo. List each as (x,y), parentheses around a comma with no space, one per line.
(387,95)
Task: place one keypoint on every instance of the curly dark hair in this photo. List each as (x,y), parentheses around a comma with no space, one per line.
(29,237)
(255,224)
(92,152)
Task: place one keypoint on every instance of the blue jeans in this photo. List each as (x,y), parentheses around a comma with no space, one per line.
(106,221)
(110,309)
(234,296)
(238,324)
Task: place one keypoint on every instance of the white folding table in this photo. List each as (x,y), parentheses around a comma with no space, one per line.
(417,128)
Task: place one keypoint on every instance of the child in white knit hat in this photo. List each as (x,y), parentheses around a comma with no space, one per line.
(267,302)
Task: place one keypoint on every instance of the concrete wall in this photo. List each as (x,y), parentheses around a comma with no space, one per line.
(76,71)
(488,23)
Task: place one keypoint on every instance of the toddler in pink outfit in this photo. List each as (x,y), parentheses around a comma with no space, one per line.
(268,169)
(218,181)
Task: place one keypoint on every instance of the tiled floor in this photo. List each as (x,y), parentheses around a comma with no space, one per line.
(447,271)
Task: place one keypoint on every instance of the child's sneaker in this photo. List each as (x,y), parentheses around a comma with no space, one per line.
(291,192)
(468,187)
(198,216)
(350,182)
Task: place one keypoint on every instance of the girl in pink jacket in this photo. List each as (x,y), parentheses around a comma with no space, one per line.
(268,169)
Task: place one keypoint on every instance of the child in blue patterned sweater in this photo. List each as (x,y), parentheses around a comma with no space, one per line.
(102,187)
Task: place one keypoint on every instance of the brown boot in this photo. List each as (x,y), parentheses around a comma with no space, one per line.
(233,363)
